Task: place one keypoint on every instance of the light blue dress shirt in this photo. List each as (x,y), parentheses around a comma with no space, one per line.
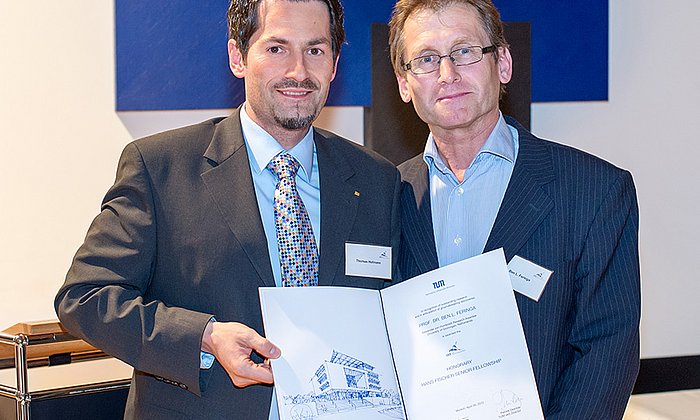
(261,148)
(464,212)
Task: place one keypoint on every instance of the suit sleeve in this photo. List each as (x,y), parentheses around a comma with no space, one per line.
(104,299)
(605,333)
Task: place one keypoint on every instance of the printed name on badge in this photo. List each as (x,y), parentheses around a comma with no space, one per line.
(363,260)
(527,277)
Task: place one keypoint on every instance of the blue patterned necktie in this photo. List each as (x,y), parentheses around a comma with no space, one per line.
(295,237)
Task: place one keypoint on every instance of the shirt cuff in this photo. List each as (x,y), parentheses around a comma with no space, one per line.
(206,360)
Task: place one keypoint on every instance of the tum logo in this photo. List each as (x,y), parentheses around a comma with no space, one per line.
(438,284)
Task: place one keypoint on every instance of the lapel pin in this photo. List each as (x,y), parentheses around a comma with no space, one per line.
(357,193)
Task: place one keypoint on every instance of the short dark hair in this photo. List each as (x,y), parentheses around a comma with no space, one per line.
(490,19)
(243,21)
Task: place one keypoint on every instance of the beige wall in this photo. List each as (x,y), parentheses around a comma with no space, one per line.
(59,145)
(61,139)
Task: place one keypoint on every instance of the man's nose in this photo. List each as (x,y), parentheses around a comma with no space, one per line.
(448,71)
(297,68)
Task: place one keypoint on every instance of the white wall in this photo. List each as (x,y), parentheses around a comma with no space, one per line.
(59,143)
(61,140)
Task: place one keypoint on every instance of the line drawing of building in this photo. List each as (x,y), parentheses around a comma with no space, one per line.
(344,384)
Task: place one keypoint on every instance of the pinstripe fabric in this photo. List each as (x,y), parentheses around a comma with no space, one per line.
(577,215)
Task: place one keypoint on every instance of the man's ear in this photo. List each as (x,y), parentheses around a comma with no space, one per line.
(236,61)
(505,65)
(403,88)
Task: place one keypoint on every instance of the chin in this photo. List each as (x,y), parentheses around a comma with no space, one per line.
(296,122)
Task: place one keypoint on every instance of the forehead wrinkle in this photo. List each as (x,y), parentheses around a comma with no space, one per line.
(463,40)
(263,12)
(274,39)
(424,16)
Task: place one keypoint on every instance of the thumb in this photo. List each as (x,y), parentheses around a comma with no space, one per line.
(265,348)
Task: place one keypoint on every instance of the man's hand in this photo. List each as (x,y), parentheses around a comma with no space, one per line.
(232,344)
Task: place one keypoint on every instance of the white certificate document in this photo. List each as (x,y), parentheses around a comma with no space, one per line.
(336,362)
(445,345)
(458,343)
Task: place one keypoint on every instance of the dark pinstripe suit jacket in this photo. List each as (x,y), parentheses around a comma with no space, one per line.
(577,215)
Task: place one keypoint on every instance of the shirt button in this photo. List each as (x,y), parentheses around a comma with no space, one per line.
(460,190)
(457,240)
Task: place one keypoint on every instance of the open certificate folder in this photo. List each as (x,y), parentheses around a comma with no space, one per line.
(444,345)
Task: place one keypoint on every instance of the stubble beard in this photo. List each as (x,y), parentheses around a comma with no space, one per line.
(298,121)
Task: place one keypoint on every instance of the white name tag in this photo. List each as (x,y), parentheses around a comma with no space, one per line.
(527,277)
(368,261)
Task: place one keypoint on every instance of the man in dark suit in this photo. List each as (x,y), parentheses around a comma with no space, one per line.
(484,182)
(167,278)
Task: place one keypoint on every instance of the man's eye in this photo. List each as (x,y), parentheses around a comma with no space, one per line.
(463,51)
(275,50)
(427,59)
(316,51)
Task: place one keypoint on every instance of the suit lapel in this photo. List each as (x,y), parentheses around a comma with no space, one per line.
(526,203)
(338,207)
(231,185)
(417,220)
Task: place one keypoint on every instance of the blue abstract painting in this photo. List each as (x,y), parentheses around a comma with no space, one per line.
(172,55)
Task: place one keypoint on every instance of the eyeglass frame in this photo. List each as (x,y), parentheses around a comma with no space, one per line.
(484,50)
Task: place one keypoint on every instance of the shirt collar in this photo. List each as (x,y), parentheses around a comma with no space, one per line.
(500,143)
(263,147)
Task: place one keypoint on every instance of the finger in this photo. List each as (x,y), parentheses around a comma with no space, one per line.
(263,346)
(247,373)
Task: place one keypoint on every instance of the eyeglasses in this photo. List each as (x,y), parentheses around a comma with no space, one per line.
(462,56)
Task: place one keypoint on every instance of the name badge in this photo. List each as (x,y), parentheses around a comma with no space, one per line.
(527,277)
(368,261)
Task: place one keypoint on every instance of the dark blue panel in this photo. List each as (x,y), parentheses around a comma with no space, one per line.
(569,47)
(352,85)
(173,55)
